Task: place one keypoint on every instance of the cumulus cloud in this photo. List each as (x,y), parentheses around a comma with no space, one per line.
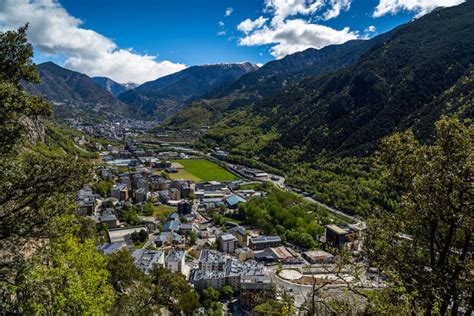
(420,7)
(296,35)
(53,31)
(248,25)
(289,28)
(228,11)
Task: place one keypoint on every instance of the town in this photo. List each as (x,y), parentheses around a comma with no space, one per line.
(150,203)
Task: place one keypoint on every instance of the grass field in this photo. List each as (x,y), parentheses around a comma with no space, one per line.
(201,170)
(163,210)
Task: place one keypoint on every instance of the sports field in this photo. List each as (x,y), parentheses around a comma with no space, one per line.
(201,170)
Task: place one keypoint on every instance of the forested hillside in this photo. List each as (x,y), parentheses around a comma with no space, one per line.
(270,78)
(322,131)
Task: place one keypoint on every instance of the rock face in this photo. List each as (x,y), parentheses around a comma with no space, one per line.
(167,95)
(113,87)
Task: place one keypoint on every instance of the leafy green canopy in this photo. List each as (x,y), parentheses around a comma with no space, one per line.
(425,247)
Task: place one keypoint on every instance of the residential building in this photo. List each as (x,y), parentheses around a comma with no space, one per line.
(227,243)
(145,260)
(185,229)
(262,242)
(171,226)
(119,192)
(211,260)
(140,195)
(174,194)
(184,207)
(168,238)
(109,219)
(175,260)
(241,234)
(110,248)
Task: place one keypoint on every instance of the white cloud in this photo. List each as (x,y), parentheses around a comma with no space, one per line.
(228,11)
(248,25)
(420,7)
(336,6)
(221,24)
(221,33)
(370,29)
(290,28)
(296,35)
(53,31)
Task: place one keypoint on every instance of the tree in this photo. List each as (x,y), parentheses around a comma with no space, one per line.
(35,188)
(139,237)
(425,247)
(193,238)
(136,295)
(148,209)
(67,277)
(227,292)
(175,293)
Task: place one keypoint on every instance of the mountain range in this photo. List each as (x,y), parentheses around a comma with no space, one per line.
(113,87)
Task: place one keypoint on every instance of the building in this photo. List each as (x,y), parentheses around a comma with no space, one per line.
(141,195)
(145,260)
(175,260)
(210,186)
(174,194)
(123,234)
(231,275)
(255,290)
(275,254)
(171,226)
(211,260)
(244,253)
(241,234)
(318,256)
(109,219)
(233,201)
(110,248)
(119,192)
(184,207)
(227,243)
(168,238)
(86,202)
(262,242)
(186,229)
(336,236)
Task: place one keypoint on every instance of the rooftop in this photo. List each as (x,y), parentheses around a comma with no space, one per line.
(338,230)
(208,255)
(265,239)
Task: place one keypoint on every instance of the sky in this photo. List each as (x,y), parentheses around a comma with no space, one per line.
(141,40)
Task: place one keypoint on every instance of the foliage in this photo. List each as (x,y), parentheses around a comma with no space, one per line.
(175,292)
(286,214)
(129,215)
(135,292)
(69,277)
(193,238)
(102,187)
(227,292)
(139,237)
(273,307)
(425,246)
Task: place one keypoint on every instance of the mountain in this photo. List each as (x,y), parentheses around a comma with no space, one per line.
(113,87)
(74,94)
(329,122)
(167,95)
(270,78)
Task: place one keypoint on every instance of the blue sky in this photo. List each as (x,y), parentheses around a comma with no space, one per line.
(141,40)
(186,31)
